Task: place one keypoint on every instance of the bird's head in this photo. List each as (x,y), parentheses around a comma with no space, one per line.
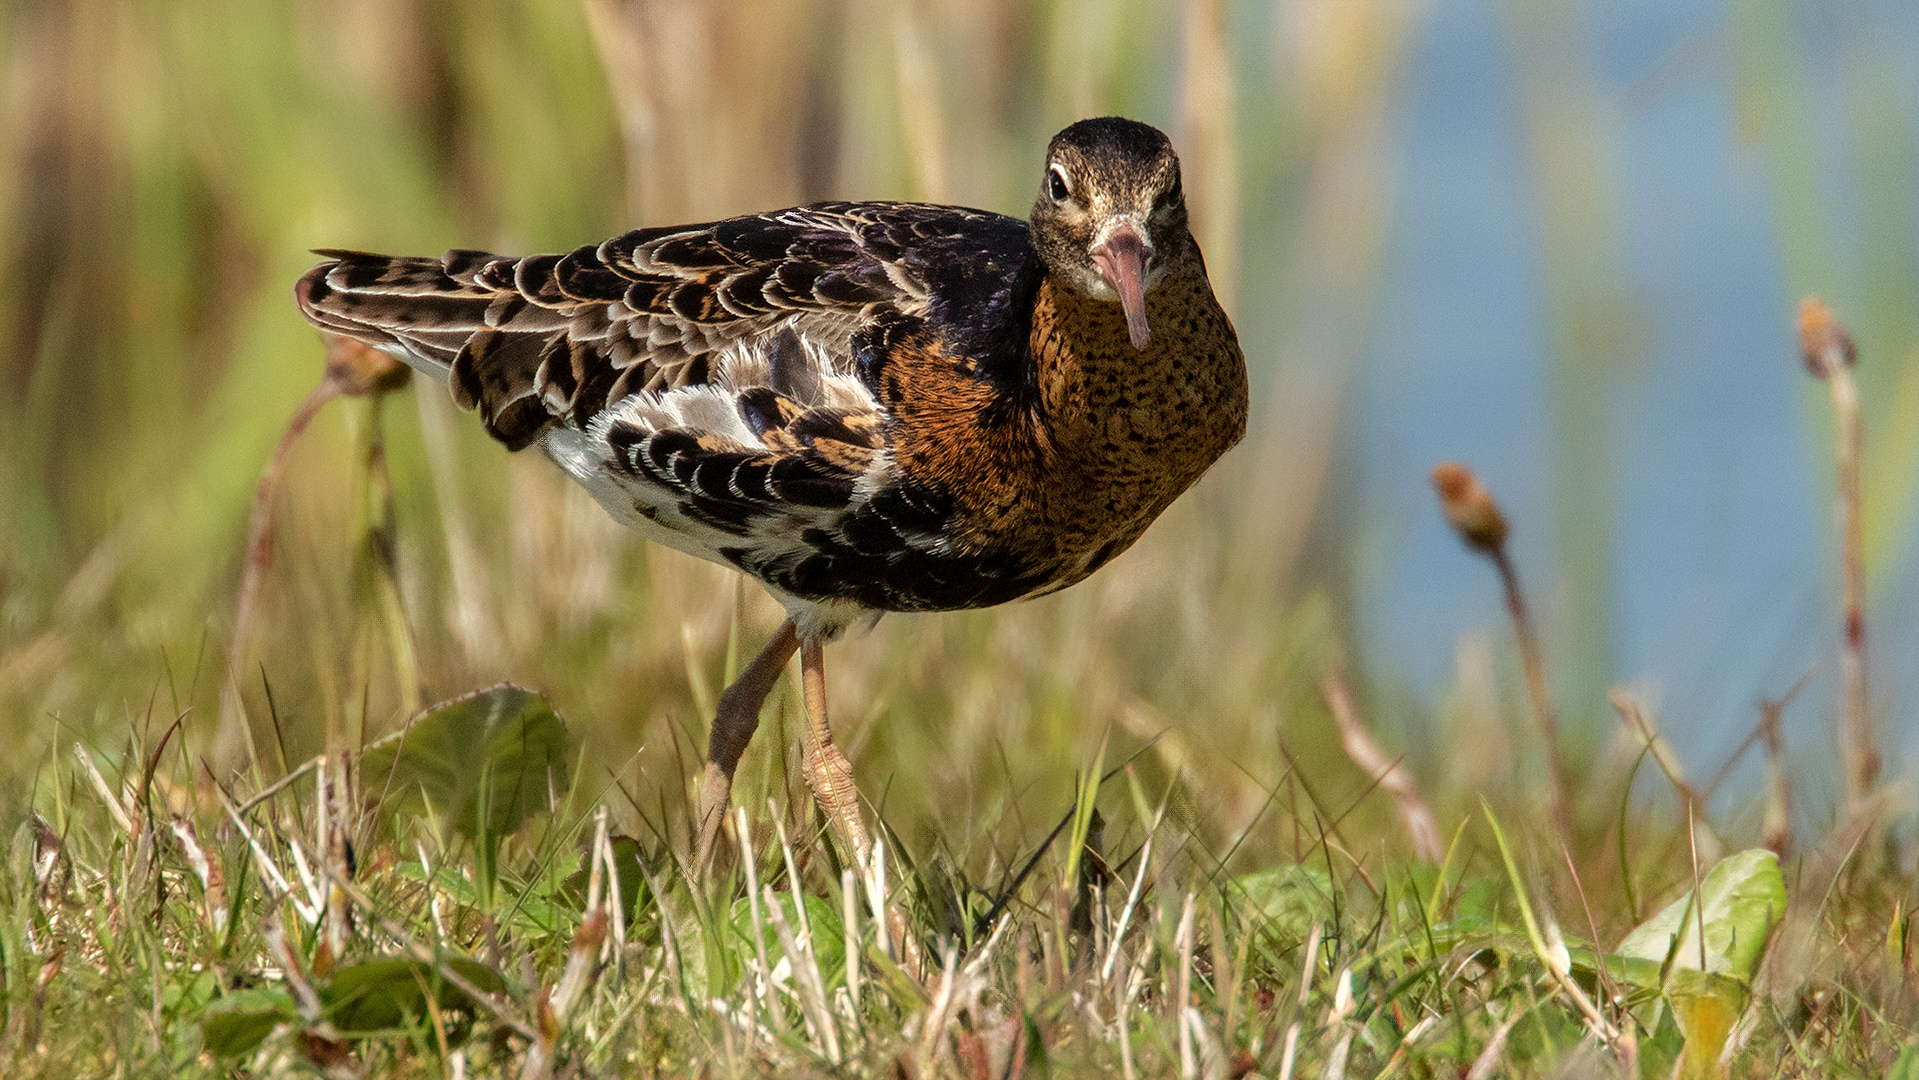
(1110,213)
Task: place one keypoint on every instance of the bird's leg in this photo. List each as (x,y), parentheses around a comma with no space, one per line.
(827,770)
(831,777)
(734,722)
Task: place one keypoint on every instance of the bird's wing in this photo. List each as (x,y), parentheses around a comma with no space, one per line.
(557,339)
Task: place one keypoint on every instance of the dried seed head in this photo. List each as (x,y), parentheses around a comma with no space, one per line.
(1469,507)
(360,370)
(1822,339)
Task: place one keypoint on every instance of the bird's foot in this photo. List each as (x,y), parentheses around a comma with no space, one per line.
(716,796)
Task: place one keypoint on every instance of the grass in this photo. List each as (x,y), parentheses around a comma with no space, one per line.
(1142,828)
(187,928)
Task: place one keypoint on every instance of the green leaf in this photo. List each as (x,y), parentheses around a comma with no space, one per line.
(1906,1065)
(1706,1017)
(498,749)
(630,871)
(238,1022)
(829,934)
(379,995)
(1638,978)
(1285,901)
(1547,1034)
(1744,896)
(1660,1051)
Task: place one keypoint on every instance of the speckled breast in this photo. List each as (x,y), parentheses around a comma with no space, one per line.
(1049,491)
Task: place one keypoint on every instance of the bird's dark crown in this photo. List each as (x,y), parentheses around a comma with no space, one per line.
(1101,174)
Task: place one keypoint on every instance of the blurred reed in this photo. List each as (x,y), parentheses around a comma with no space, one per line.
(1845,200)
(1572,133)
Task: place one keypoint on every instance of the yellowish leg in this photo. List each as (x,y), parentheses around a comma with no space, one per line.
(827,770)
(831,777)
(734,722)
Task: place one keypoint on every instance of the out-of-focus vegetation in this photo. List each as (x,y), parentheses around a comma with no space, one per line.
(166,164)
(169,165)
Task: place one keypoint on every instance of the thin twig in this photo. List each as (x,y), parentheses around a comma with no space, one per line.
(281,784)
(1634,716)
(233,717)
(1469,508)
(1544,715)
(1387,772)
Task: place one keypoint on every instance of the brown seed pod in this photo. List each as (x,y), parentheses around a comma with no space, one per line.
(360,370)
(1821,337)
(1469,507)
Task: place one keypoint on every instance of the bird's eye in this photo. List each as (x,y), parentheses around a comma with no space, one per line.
(1171,195)
(1056,188)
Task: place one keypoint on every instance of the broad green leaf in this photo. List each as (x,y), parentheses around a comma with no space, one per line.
(379,995)
(1906,1065)
(829,934)
(1547,1034)
(498,749)
(1636,979)
(1661,1049)
(632,878)
(238,1022)
(1285,900)
(1744,897)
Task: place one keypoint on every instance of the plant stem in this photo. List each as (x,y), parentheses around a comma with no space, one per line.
(234,727)
(1387,772)
(1829,353)
(1862,745)
(1543,713)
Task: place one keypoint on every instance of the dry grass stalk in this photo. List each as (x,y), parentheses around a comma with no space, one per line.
(1469,508)
(922,120)
(114,809)
(1487,1064)
(811,987)
(1206,130)
(850,923)
(1337,1026)
(1287,1055)
(213,880)
(1387,772)
(936,1018)
(615,903)
(876,895)
(1777,819)
(277,884)
(1132,901)
(282,952)
(1830,354)
(582,958)
(1405,1048)
(334,798)
(1634,716)
(1183,942)
(751,867)
(353,369)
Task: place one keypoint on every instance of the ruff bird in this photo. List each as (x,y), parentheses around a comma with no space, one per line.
(864,406)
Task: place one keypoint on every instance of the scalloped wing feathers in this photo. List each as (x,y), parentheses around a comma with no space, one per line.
(559,338)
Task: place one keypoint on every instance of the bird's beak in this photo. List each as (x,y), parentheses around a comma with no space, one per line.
(1121,259)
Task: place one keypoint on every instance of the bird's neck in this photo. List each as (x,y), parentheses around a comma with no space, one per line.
(1107,405)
